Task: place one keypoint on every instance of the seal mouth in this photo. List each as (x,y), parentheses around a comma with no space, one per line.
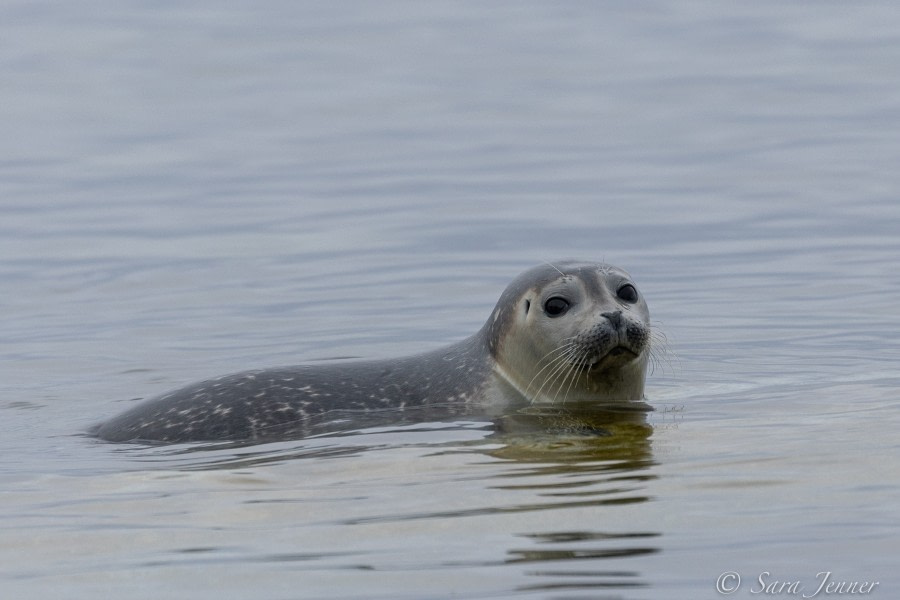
(618,354)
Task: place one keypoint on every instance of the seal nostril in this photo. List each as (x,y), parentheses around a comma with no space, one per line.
(614,317)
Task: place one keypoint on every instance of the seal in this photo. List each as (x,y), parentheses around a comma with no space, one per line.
(569,333)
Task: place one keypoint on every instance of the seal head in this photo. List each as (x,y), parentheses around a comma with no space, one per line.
(572,331)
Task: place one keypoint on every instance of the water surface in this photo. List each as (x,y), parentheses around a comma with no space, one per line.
(191,189)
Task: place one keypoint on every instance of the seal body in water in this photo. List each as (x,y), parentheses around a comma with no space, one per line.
(571,333)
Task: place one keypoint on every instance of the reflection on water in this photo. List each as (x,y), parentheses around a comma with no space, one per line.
(619,432)
(524,482)
(587,472)
(583,546)
(602,463)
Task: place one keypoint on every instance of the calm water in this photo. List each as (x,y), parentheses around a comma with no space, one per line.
(189,189)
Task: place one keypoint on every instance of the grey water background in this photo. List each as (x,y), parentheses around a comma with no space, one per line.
(190,189)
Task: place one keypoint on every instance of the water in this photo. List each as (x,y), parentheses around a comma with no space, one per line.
(190,189)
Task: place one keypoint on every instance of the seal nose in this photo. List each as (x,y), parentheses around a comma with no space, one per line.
(615,318)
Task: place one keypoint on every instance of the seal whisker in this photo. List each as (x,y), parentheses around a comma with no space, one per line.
(565,372)
(577,369)
(562,350)
(566,376)
(550,264)
(562,375)
(660,354)
(573,361)
(562,363)
(551,376)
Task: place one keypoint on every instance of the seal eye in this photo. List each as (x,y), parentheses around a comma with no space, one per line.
(627,293)
(556,306)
